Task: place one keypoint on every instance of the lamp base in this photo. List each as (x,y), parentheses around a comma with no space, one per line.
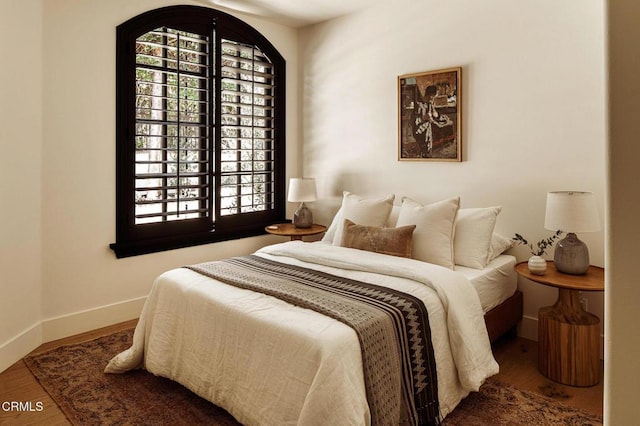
(571,256)
(302,218)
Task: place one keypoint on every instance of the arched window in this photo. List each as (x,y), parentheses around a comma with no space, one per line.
(200,128)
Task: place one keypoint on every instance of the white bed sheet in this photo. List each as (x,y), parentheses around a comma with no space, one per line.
(495,283)
(270,363)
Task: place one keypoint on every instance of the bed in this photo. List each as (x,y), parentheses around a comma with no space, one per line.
(269,362)
(501,301)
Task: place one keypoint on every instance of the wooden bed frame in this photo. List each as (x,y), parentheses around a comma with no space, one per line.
(503,319)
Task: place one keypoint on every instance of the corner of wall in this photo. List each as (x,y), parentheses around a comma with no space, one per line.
(16,348)
(51,329)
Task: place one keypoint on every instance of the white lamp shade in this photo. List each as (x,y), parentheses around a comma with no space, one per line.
(302,190)
(572,211)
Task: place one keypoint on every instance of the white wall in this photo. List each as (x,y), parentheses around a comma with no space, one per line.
(80,271)
(622,361)
(533,81)
(20,176)
(533,109)
(62,270)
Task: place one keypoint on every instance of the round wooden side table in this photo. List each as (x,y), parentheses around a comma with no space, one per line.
(568,336)
(289,230)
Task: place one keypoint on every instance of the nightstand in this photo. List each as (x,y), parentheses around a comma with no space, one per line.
(568,336)
(289,230)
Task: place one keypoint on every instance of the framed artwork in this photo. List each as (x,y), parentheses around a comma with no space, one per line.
(429,116)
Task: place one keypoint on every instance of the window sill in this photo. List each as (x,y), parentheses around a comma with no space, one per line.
(135,248)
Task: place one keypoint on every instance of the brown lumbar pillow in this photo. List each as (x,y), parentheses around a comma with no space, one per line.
(392,241)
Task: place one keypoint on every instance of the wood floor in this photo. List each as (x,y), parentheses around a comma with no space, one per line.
(517,358)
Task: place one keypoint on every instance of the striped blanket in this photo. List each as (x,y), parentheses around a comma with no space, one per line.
(392,327)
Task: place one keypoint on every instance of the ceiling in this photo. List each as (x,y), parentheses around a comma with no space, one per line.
(294,13)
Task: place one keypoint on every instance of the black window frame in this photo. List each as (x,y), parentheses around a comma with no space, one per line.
(135,239)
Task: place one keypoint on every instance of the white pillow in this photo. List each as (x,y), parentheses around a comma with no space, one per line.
(359,210)
(499,244)
(435,225)
(331,230)
(472,242)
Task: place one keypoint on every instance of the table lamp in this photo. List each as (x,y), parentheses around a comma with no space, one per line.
(572,212)
(302,190)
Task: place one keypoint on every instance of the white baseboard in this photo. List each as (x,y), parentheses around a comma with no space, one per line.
(65,326)
(91,319)
(529,330)
(16,348)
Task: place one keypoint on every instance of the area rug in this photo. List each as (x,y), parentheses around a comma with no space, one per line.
(74,378)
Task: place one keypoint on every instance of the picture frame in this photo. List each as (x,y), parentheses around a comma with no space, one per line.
(430,116)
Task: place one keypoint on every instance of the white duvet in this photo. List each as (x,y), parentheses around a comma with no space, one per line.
(270,363)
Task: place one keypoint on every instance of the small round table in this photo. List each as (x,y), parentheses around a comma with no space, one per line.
(289,230)
(568,336)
